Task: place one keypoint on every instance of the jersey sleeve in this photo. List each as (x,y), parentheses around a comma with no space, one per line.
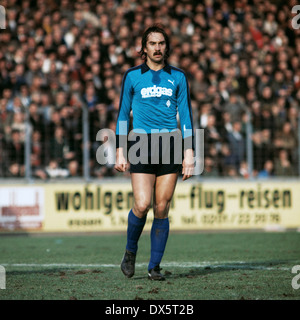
(123,120)
(185,113)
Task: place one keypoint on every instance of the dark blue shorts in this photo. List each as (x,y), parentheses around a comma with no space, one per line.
(164,154)
(157,169)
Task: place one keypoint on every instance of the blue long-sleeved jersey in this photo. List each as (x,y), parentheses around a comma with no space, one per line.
(154,98)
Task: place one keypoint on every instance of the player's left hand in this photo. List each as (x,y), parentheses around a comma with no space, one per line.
(188,164)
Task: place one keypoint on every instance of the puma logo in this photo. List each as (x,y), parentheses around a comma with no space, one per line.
(172,82)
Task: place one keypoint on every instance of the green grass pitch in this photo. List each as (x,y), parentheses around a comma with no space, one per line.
(198,266)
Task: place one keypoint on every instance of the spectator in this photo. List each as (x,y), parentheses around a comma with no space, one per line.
(286,139)
(53,170)
(244,170)
(90,97)
(37,151)
(237,144)
(18,124)
(283,165)
(234,107)
(212,136)
(60,149)
(278,119)
(3,152)
(262,150)
(267,171)
(15,170)
(6,117)
(15,149)
(226,159)
(73,168)
(36,119)
(210,168)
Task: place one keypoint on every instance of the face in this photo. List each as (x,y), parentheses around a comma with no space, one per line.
(156,47)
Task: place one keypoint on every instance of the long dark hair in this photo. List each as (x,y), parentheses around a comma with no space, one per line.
(158,29)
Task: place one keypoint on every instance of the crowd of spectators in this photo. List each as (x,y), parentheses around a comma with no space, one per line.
(241,58)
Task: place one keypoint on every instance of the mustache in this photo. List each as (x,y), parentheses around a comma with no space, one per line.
(157,53)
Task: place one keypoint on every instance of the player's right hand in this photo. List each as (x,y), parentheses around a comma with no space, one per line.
(121,163)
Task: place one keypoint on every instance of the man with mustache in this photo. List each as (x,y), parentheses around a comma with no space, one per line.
(154,91)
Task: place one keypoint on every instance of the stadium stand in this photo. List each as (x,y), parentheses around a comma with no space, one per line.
(59,57)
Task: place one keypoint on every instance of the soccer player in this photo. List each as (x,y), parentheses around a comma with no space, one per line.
(154,91)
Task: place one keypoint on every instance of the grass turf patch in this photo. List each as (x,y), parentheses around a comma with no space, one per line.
(198,266)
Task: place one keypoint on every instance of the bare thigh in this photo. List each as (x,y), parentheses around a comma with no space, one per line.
(142,186)
(163,193)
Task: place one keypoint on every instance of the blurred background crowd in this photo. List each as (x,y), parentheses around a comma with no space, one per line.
(241,58)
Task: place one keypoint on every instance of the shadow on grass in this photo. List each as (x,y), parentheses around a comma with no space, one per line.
(216,268)
(194,272)
(61,271)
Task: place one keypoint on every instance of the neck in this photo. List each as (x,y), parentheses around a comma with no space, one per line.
(155,66)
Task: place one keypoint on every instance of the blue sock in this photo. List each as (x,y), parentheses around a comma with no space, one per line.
(134,230)
(159,236)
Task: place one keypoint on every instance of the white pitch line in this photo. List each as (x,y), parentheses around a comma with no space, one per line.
(205,264)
